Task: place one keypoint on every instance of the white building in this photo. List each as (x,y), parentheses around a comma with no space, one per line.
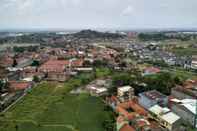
(194,62)
(165,117)
(98,87)
(125,93)
(97,91)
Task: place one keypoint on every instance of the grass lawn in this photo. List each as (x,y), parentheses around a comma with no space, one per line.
(185,51)
(183,47)
(182,73)
(185,74)
(49,107)
(102,72)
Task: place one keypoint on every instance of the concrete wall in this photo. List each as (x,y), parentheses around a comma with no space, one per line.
(185,115)
(176,125)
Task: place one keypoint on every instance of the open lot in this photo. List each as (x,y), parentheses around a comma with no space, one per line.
(49,107)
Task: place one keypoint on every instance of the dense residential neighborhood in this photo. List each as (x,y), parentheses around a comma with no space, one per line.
(97,81)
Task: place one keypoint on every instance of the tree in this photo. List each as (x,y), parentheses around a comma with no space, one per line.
(121,79)
(123,64)
(118,80)
(19,49)
(14,63)
(35,63)
(100,63)
(108,125)
(1,85)
(178,80)
(87,63)
(36,79)
(162,82)
(16,127)
(159,63)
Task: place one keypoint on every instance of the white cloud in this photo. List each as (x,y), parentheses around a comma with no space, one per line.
(25,5)
(76,2)
(16,4)
(128,10)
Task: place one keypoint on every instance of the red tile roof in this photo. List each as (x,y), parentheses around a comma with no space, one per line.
(15,85)
(127,127)
(7,61)
(152,70)
(57,62)
(54,66)
(190,83)
(188,87)
(77,63)
(135,106)
(60,65)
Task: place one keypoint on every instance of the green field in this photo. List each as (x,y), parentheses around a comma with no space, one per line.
(49,107)
(183,48)
(185,74)
(185,51)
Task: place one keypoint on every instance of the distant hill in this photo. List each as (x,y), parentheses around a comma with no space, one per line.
(39,37)
(95,34)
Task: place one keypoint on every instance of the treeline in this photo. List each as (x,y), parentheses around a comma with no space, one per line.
(164,36)
(26,48)
(162,82)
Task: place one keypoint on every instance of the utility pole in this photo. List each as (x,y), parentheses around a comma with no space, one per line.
(195,121)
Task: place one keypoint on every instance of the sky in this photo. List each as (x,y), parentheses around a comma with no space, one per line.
(88,14)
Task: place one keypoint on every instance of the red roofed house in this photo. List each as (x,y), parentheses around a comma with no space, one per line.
(60,65)
(77,63)
(19,86)
(123,125)
(55,70)
(137,116)
(185,91)
(72,52)
(54,66)
(127,127)
(6,61)
(151,70)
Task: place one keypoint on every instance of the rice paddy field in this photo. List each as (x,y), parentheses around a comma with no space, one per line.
(50,107)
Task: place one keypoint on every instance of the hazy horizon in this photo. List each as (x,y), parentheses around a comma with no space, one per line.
(96,29)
